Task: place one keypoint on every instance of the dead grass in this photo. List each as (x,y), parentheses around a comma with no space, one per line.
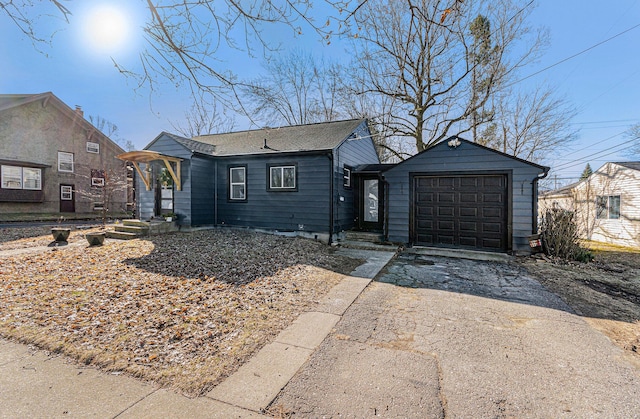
(184,310)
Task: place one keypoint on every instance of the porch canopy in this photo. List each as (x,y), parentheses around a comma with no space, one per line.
(148,156)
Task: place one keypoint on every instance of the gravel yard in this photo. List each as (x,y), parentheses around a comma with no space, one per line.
(184,310)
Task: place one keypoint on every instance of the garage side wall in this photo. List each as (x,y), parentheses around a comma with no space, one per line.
(466,158)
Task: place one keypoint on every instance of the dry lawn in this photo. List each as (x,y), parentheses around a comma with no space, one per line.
(184,310)
(606,292)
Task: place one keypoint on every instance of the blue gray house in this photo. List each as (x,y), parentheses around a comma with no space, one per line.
(320,180)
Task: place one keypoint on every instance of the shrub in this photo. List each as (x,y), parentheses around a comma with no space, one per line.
(560,236)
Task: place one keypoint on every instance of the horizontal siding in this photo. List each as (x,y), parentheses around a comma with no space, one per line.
(308,206)
(469,159)
(202,196)
(351,153)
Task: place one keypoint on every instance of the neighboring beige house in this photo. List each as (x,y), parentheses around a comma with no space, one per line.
(54,162)
(607,203)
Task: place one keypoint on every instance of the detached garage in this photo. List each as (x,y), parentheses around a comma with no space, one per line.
(460,194)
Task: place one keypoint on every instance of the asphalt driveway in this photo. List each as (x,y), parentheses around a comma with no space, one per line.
(439,337)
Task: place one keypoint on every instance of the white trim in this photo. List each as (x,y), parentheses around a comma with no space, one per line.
(242,184)
(65,158)
(97,181)
(93,147)
(66,193)
(281,170)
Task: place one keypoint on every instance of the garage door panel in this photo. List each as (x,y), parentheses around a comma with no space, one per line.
(446,211)
(468,241)
(468,211)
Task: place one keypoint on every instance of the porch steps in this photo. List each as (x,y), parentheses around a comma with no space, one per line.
(130,229)
(365,241)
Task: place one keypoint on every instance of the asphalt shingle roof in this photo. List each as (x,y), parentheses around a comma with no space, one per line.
(630,164)
(312,137)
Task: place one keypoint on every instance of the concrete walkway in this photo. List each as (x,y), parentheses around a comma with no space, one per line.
(36,385)
(438,337)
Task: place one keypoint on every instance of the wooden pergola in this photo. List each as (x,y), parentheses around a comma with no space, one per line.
(147,156)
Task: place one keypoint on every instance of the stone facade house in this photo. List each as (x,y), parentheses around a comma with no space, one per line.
(55,162)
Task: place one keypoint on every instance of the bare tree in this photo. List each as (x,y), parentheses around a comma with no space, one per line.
(204,117)
(185,38)
(634,136)
(296,89)
(112,131)
(423,54)
(530,125)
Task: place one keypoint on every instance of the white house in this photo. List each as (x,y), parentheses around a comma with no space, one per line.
(607,203)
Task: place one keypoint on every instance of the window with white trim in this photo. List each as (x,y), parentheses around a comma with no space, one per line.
(347,176)
(97,177)
(608,207)
(17,177)
(66,193)
(282,177)
(65,162)
(93,147)
(238,183)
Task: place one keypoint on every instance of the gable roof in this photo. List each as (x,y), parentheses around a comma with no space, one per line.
(310,137)
(447,143)
(9,101)
(635,165)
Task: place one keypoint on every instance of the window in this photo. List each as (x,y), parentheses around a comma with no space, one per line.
(347,176)
(66,193)
(65,162)
(97,177)
(237,183)
(11,177)
(16,177)
(608,207)
(31,178)
(282,177)
(93,147)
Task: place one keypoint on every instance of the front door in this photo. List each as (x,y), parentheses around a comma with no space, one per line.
(371,205)
(67,199)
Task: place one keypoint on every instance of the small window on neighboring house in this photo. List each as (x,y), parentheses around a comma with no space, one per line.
(66,193)
(608,207)
(31,178)
(238,183)
(93,147)
(65,162)
(11,177)
(97,177)
(347,176)
(282,178)
(16,177)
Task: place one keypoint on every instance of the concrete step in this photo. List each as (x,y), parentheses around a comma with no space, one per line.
(364,236)
(135,223)
(122,235)
(140,230)
(363,245)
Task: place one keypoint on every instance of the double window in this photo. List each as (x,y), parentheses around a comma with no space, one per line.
(16,177)
(65,162)
(608,207)
(238,183)
(282,178)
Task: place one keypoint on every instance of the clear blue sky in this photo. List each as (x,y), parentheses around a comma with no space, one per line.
(603,83)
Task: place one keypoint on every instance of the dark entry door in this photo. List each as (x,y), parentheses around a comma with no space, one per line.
(371,204)
(461,211)
(67,199)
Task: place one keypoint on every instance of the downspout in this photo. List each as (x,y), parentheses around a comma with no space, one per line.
(534,198)
(331,203)
(215,194)
(385,227)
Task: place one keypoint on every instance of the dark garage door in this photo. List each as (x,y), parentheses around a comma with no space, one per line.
(461,211)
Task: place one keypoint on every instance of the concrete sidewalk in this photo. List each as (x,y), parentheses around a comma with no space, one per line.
(37,385)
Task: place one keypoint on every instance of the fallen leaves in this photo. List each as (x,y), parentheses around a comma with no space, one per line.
(184,309)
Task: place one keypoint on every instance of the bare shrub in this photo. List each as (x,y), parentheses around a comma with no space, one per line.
(559,233)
